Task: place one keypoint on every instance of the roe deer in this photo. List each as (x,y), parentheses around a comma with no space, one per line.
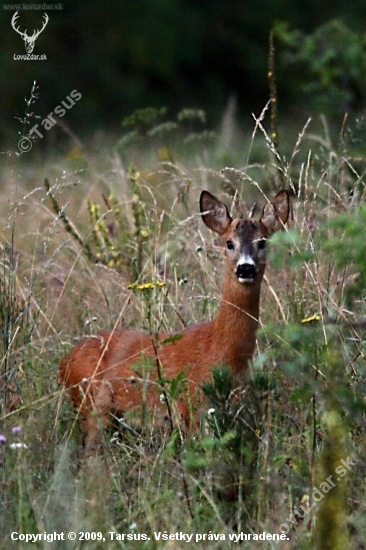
(105,373)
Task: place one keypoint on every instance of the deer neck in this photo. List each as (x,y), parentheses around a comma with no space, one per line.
(235,326)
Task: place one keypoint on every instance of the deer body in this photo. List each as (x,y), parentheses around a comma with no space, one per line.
(106,373)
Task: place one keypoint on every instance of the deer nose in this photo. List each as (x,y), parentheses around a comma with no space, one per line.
(245,272)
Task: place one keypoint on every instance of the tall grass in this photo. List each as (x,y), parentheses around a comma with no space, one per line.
(261,451)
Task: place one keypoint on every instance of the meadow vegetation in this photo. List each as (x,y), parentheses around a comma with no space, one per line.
(109,234)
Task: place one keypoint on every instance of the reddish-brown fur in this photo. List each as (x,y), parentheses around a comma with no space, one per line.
(107,373)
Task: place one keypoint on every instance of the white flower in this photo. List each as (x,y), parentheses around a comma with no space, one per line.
(18,446)
(162,398)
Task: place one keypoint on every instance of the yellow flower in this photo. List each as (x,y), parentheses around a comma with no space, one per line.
(146,286)
(312,318)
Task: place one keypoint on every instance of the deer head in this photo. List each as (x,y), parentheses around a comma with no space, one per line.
(29,40)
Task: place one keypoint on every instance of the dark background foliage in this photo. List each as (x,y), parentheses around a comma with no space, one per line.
(178,53)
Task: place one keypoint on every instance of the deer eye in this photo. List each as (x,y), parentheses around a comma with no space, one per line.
(230,245)
(261,244)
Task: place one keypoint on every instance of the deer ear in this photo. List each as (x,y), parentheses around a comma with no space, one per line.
(275,214)
(214,213)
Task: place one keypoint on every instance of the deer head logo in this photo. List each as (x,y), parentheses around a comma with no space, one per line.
(28,40)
